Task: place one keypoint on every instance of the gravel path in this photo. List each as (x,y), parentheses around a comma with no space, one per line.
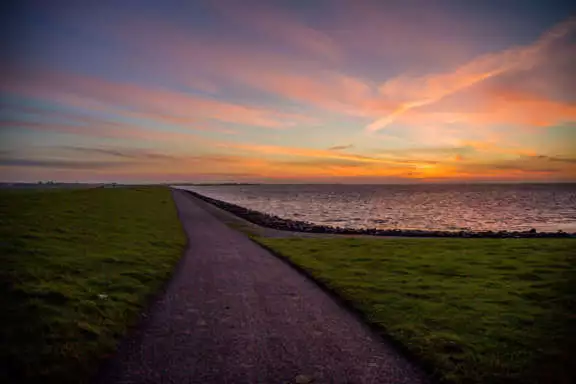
(233,313)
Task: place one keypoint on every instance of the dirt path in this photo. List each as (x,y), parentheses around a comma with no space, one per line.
(233,313)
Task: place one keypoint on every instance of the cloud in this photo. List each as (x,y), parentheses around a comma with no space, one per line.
(127,153)
(59,164)
(340,147)
(417,92)
(323,163)
(298,78)
(230,64)
(103,130)
(98,93)
(496,104)
(498,148)
(527,167)
(324,89)
(277,24)
(425,151)
(557,159)
(346,162)
(300,152)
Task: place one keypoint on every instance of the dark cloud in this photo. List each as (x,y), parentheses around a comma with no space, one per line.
(135,154)
(427,151)
(340,147)
(324,163)
(224,174)
(536,164)
(62,164)
(124,153)
(520,167)
(557,159)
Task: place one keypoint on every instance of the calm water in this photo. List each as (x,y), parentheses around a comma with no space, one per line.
(545,207)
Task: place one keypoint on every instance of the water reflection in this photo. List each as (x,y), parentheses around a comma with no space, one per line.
(545,207)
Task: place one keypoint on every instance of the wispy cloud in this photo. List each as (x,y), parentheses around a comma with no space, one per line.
(369,163)
(59,164)
(127,153)
(102,130)
(298,78)
(492,105)
(277,24)
(558,159)
(174,106)
(297,151)
(340,147)
(416,92)
(324,89)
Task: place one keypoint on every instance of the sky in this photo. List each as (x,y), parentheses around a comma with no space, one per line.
(288,91)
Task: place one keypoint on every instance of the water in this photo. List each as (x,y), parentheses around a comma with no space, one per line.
(477,207)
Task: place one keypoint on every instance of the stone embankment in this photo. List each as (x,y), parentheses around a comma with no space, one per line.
(275,222)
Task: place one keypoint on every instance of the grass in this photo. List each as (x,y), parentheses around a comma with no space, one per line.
(77,268)
(472,311)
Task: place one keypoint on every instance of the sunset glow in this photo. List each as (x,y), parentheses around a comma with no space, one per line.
(287,92)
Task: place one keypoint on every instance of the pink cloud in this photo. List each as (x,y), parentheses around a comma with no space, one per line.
(277,24)
(418,92)
(493,104)
(327,90)
(303,82)
(297,78)
(174,106)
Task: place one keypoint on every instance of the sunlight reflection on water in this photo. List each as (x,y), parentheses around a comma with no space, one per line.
(545,207)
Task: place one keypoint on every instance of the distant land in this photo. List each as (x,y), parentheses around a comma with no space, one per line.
(211,184)
(55,184)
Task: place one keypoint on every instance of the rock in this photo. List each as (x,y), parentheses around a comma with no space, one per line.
(303,379)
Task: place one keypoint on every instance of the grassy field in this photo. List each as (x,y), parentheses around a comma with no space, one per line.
(77,268)
(473,311)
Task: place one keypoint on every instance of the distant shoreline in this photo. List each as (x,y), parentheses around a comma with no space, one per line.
(275,222)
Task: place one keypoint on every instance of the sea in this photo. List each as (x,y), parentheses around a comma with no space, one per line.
(446,207)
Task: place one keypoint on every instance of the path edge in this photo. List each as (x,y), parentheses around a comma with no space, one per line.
(429,371)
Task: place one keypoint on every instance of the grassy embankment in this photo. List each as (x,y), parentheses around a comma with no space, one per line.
(77,269)
(475,311)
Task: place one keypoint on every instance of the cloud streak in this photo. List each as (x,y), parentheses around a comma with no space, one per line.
(340,147)
(274,22)
(418,92)
(176,107)
(126,153)
(59,164)
(102,130)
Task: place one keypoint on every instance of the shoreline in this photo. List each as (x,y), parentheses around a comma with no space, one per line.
(278,223)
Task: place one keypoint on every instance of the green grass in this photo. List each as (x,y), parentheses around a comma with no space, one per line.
(471,310)
(77,267)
